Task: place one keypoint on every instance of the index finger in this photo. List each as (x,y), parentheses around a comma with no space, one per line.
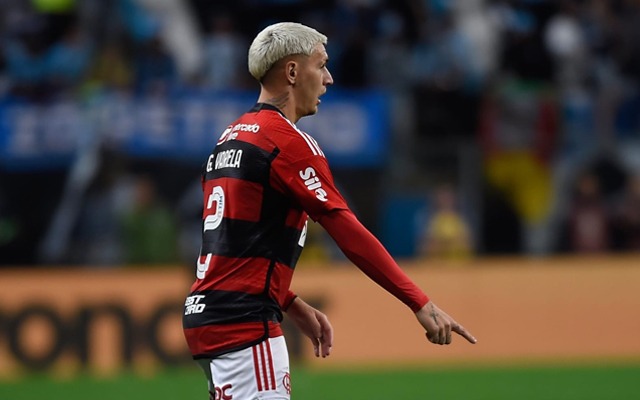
(459,329)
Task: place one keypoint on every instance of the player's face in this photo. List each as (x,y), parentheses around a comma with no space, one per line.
(313,81)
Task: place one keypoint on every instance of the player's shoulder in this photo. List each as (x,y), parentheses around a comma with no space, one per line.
(299,141)
(255,127)
(272,126)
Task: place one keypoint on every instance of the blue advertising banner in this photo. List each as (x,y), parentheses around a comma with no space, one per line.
(352,127)
(36,136)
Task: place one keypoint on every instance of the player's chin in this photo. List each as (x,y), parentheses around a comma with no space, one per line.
(312,111)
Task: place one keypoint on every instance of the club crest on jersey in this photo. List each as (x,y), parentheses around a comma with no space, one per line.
(312,182)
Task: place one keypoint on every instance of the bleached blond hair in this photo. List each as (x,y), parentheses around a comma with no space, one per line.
(279,40)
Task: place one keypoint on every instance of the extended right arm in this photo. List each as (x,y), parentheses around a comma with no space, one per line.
(367,253)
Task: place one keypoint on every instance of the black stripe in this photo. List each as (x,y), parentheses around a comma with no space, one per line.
(226,307)
(267,285)
(242,239)
(254,166)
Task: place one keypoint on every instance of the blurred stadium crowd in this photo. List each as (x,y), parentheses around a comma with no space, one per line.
(515,124)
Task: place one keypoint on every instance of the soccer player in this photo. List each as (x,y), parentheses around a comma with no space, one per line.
(262,181)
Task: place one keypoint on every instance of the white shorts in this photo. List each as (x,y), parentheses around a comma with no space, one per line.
(260,372)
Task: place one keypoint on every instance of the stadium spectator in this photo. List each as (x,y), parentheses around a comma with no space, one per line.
(69,59)
(447,234)
(587,228)
(444,79)
(111,69)
(518,133)
(25,56)
(564,39)
(97,239)
(154,68)
(224,57)
(149,231)
(386,57)
(627,216)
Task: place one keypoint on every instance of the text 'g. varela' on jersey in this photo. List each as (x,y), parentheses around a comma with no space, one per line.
(261,181)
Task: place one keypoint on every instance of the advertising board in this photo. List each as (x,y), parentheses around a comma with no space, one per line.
(75,320)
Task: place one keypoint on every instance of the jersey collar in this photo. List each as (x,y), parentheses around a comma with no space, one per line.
(265,106)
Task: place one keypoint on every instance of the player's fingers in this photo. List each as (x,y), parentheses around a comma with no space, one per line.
(443,333)
(316,347)
(315,333)
(432,337)
(327,331)
(325,348)
(326,334)
(459,329)
(326,344)
(447,334)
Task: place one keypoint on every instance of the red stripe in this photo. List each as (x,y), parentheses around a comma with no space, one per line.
(210,340)
(264,367)
(251,194)
(256,369)
(273,370)
(246,275)
(235,274)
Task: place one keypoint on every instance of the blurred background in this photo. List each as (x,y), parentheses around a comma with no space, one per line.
(460,131)
(482,127)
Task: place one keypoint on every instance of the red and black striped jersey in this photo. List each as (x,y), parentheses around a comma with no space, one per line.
(262,180)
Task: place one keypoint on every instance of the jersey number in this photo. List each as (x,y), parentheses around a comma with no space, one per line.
(215,204)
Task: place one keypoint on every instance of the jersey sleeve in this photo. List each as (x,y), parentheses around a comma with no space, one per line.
(307,178)
(288,300)
(367,253)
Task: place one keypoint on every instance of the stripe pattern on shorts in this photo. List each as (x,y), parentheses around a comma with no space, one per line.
(263,366)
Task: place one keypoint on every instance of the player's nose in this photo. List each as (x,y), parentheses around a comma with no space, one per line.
(328,79)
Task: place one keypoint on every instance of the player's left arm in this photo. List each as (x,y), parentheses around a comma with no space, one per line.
(314,324)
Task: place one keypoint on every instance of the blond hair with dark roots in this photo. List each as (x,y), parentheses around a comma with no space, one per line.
(279,40)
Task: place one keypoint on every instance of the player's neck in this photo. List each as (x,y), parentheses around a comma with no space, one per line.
(283,100)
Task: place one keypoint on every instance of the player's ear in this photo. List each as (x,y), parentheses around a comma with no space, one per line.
(291,71)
